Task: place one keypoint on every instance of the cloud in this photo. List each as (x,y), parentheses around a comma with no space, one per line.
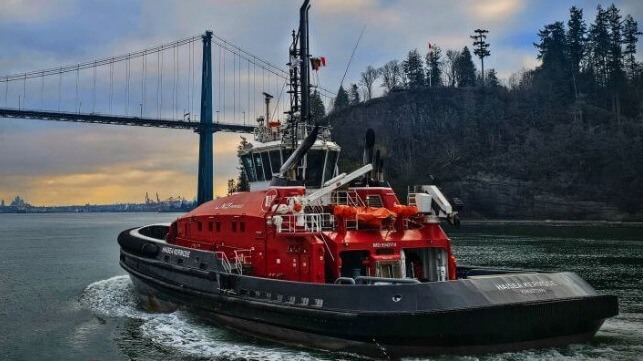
(496,10)
(29,11)
(71,163)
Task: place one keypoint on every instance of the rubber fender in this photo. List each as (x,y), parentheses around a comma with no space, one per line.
(139,246)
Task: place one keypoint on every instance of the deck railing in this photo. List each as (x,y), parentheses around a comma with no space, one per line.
(347,198)
(306,223)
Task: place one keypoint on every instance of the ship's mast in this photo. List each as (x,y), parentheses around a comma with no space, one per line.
(305,64)
(299,76)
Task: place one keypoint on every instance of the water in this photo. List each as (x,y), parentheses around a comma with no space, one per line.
(64,296)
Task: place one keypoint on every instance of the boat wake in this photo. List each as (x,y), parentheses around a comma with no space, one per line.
(113,297)
(181,332)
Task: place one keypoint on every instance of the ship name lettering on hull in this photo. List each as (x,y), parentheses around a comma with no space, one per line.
(530,285)
(176,252)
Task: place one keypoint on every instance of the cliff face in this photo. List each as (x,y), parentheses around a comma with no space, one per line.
(505,156)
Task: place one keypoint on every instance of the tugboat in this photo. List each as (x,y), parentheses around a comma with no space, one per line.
(335,261)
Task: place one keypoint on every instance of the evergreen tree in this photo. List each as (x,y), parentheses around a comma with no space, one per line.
(554,73)
(434,67)
(232,187)
(576,38)
(492,79)
(481,49)
(341,101)
(552,48)
(630,38)
(599,39)
(317,108)
(243,185)
(414,70)
(465,69)
(353,95)
(615,54)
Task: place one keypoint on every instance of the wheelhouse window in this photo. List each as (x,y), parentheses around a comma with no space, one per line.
(246,159)
(314,167)
(275,161)
(266,166)
(258,167)
(331,165)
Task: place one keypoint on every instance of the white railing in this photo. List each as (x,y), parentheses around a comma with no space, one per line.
(266,133)
(224,261)
(305,223)
(347,198)
(241,257)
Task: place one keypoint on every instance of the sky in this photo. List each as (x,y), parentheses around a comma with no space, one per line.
(50,163)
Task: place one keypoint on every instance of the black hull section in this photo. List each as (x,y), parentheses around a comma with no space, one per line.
(495,313)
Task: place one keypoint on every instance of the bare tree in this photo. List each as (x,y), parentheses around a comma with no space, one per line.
(368,77)
(450,67)
(391,75)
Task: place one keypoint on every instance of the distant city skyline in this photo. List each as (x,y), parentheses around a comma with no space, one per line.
(20,200)
(64,163)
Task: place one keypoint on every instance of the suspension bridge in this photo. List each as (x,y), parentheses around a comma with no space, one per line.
(157,87)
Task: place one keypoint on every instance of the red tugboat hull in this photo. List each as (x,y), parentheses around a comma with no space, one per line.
(488,311)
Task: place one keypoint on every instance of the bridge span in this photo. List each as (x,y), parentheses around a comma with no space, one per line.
(125,120)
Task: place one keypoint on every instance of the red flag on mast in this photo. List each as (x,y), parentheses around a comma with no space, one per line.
(317,63)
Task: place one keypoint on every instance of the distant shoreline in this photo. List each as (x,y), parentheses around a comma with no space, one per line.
(550,223)
(465,222)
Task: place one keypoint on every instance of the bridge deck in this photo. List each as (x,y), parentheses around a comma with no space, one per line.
(123,120)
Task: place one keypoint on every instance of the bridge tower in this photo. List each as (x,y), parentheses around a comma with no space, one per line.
(206,161)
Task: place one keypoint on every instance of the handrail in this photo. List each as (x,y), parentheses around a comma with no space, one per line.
(347,198)
(239,260)
(224,261)
(305,223)
(372,280)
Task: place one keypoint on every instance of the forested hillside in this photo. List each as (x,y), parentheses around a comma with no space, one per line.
(562,141)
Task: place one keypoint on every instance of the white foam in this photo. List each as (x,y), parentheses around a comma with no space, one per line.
(630,324)
(115,297)
(177,331)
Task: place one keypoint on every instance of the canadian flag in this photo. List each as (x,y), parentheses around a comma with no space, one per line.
(316,63)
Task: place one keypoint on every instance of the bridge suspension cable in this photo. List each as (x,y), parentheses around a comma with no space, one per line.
(108,85)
